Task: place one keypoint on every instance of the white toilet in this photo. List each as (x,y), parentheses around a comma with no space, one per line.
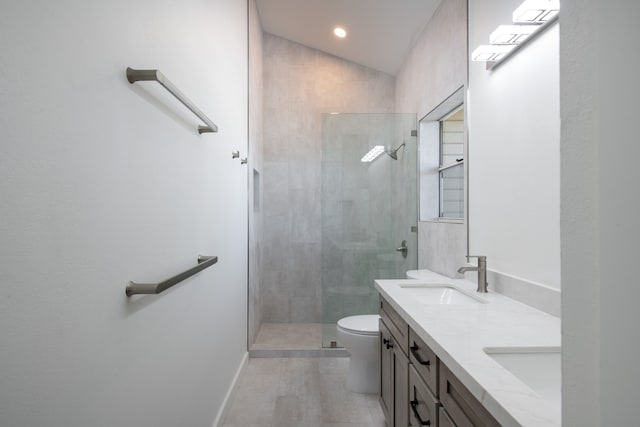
(360,336)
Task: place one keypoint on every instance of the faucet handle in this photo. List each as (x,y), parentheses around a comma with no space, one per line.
(480,257)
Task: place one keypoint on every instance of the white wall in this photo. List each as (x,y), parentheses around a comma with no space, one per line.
(514,164)
(600,210)
(101,184)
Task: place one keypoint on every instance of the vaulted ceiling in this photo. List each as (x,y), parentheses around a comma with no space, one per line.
(380,33)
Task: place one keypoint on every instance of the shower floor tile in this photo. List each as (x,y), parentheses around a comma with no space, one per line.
(289,336)
(296,336)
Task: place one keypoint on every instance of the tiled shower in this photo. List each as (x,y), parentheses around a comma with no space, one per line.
(323,229)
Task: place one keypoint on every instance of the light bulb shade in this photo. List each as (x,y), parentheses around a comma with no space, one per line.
(511,34)
(491,52)
(536,11)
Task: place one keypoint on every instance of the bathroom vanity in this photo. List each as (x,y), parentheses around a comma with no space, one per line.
(453,357)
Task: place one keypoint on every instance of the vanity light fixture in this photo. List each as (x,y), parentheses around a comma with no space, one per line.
(373,154)
(536,11)
(511,34)
(529,19)
(340,32)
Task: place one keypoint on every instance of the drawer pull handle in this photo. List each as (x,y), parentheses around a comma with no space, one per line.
(414,408)
(387,342)
(414,350)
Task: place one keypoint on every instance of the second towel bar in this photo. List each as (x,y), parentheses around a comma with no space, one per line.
(134,288)
(156,76)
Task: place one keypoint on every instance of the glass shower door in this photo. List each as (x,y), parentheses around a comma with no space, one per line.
(368,209)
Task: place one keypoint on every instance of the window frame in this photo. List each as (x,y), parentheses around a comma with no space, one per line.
(429,160)
(459,163)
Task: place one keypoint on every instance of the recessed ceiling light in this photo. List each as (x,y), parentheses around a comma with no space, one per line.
(340,32)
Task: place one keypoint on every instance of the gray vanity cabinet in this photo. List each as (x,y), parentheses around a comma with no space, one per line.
(416,388)
(424,360)
(422,403)
(423,383)
(444,420)
(386,369)
(394,369)
(401,385)
(463,409)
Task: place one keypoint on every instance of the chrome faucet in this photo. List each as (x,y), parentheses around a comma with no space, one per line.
(481,269)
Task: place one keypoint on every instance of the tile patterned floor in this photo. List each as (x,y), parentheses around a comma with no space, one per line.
(300,392)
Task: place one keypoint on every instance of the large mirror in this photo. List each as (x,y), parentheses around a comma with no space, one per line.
(514,163)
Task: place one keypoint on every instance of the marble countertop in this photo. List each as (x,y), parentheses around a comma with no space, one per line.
(459,333)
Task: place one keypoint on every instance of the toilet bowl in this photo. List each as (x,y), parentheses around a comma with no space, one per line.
(360,336)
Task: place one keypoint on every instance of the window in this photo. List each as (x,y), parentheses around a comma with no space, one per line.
(451,169)
(442,142)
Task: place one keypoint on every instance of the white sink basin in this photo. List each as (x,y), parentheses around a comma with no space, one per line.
(537,367)
(440,293)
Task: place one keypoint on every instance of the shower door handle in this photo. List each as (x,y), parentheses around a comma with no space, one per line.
(403,248)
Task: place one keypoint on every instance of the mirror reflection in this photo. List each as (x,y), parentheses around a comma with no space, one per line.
(442,153)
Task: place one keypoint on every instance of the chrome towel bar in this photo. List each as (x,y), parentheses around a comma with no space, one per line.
(134,288)
(156,76)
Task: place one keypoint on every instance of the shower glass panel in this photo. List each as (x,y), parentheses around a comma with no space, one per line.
(368,209)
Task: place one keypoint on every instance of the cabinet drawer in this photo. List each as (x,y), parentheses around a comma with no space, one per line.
(398,327)
(463,409)
(444,420)
(423,406)
(424,361)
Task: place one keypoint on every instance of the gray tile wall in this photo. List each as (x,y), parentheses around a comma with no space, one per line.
(255,164)
(433,70)
(404,187)
(300,83)
(442,247)
(367,209)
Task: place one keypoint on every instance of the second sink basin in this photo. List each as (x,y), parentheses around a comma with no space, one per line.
(537,367)
(440,293)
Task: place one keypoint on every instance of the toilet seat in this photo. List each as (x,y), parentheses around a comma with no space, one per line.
(366,324)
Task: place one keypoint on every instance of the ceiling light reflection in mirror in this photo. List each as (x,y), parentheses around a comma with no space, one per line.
(373,154)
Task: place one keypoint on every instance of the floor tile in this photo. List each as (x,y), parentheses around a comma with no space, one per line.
(300,392)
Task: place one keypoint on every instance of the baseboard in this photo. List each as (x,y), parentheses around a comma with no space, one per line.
(320,352)
(234,385)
